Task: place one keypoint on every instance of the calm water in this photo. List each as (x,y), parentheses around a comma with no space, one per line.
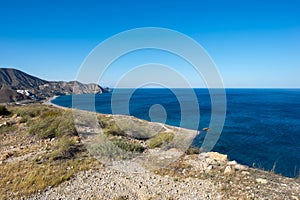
(262,126)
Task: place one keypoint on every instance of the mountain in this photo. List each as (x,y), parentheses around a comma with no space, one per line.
(16,85)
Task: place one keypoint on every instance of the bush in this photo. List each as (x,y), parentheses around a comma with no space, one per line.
(3,111)
(128,146)
(161,139)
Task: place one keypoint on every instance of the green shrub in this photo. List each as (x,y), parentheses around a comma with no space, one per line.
(128,146)
(3,110)
(160,139)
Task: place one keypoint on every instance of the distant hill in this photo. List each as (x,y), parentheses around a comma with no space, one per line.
(16,85)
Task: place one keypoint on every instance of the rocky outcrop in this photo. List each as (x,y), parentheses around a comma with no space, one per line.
(16,86)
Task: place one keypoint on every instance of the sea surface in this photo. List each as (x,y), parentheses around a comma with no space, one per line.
(262,126)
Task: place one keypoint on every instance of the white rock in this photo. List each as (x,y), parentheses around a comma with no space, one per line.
(245,173)
(228,170)
(217,156)
(261,181)
(240,167)
(232,162)
(208,169)
(294,197)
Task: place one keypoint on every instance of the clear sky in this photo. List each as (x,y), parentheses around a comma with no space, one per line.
(253,43)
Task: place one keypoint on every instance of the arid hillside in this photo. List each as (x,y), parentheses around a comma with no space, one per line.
(43,156)
(16,85)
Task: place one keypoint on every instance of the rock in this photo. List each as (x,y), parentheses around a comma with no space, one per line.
(245,173)
(14,116)
(208,169)
(261,181)
(241,167)
(5,155)
(228,170)
(294,197)
(77,139)
(210,161)
(232,162)
(217,156)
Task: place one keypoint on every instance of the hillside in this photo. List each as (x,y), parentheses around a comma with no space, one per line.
(16,85)
(43,156)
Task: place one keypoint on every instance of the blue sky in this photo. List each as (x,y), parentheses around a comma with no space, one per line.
(253,43)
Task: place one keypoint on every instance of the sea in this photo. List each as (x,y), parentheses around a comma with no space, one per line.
(261,129)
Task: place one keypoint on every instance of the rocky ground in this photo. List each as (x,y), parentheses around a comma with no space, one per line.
(205,176)
(34,166)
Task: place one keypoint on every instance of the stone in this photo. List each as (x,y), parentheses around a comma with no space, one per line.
(208,168)
(261,180)
(217,156)
(241,167)
(245,173)
(5,155)
(228,170)
(294,197)
(232,162)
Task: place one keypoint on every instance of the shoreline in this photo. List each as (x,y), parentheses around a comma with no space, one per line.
(191,176)
(48,102)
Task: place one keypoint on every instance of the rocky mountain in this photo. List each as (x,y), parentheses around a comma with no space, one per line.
(16,85)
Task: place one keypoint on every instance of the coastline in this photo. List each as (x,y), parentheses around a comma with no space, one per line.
(217,150)
(48,102)
(191,176)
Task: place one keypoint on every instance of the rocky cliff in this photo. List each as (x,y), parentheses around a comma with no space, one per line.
(16,85)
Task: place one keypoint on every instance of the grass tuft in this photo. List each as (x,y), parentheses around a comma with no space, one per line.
(53,124)
(161,139)
(128,146)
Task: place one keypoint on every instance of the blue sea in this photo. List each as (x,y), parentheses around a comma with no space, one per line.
(262,126)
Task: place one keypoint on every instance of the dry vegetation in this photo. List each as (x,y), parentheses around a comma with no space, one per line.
(39,148)
(161,139)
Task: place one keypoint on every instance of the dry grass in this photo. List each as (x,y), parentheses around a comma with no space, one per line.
(25,178)
(53,123)
(160,139)
(49,162)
